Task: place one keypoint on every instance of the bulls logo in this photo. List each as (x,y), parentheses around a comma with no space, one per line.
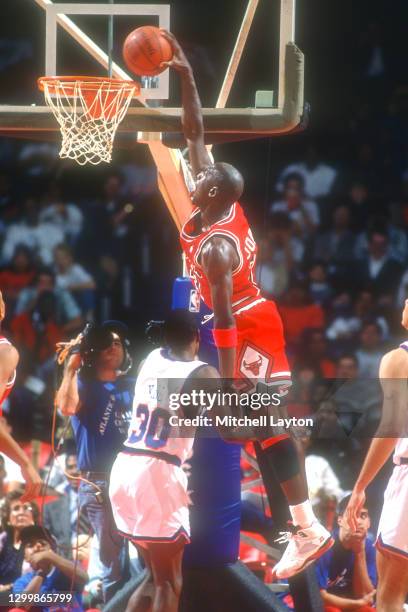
(253,366)
(253,363)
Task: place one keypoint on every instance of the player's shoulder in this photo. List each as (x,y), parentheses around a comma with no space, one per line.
(205,371)
(394,364)
(9,353)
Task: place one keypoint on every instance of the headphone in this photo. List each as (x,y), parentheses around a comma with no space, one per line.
(97,338)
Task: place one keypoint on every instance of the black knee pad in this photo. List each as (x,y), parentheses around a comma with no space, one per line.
(283,457)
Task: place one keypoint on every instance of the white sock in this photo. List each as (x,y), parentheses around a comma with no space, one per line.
(302,514)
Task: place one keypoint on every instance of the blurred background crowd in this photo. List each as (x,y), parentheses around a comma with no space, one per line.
(329,209)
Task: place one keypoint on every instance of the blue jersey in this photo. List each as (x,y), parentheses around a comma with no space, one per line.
(335,568)
(102,423)
(55,582)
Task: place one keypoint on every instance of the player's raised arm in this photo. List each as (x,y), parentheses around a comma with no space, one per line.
(218,261)
(192,117)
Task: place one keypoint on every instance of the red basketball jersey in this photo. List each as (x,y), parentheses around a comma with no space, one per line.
(234,227)
(11,381)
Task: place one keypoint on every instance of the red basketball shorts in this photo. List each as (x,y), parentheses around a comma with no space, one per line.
(261,343)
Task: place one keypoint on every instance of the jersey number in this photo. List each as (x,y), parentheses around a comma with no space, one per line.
(154,427)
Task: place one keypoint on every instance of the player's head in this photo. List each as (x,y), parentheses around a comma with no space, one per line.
(363,523)
(180,333)
(2,307)
(217,186)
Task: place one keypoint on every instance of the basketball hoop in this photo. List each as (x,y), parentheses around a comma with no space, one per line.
(88,110)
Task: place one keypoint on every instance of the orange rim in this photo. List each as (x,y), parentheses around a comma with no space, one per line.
(89,83)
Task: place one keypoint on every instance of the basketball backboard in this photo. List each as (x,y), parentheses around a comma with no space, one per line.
(221,124)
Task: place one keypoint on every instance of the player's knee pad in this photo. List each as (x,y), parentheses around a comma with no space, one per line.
(283,457)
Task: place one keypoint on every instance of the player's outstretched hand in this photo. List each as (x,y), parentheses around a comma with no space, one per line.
(357,501)
(33,482)
(179,61)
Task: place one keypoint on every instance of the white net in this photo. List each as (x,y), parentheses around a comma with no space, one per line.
(88,112)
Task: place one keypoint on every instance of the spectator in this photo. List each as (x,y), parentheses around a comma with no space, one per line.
(40,237)
(398,242)
(336,246)
(51,573)
(8,205)
(360,204)
(67,313)
(320,289)
(36,330)
(344,326)
(99,402)
(324,486)
(366,309)
(68,217)
(357,402)
(370,351)
(314,353)
(403,290)
(72,277)
(19,274)
(303,212)
(346,573)
(15,515)
(298,312)
(378,269)
(109,218)
(60,517)
(318,177)
(347,367)
(279,254)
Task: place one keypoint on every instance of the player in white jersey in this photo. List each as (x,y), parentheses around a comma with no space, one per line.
(148,487)
(392,435)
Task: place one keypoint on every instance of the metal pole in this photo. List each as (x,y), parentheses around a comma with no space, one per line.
(110,42)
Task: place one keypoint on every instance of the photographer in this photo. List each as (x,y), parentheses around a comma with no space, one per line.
(97,394)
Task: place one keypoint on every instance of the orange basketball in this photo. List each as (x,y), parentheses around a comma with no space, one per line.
(145,49)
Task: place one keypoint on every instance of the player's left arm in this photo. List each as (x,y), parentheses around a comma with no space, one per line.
(218,260)
(393,374)
(192,117)
(8,363)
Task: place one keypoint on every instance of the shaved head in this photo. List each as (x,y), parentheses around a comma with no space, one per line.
(231,182)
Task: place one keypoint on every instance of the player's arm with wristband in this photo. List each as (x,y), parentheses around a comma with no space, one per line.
(218,260)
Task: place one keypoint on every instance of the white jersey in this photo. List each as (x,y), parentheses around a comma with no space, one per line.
(158,384)
(401,448)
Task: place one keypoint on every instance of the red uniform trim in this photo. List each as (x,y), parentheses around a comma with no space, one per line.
(180,534)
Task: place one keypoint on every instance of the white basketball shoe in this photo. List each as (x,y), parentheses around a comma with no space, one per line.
(305,546)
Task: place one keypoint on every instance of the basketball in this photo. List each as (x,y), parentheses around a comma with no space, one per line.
(145,49)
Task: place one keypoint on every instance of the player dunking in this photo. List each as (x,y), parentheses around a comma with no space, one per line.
(392,435)
(221,255)
(148,487)
(8,364)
